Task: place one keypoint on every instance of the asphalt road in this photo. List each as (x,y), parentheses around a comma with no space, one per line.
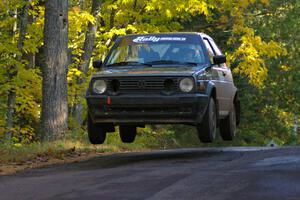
(204,173)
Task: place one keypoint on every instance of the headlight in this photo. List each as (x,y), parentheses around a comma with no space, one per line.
(186,85)
(99,86)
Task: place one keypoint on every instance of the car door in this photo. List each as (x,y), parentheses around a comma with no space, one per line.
(222,78)
(228,88)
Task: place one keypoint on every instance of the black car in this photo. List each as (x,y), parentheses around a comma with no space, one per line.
(166,78)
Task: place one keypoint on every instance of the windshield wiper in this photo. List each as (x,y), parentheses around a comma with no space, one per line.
(159,62)
(125,63)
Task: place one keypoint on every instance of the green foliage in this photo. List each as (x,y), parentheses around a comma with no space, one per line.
(272,110)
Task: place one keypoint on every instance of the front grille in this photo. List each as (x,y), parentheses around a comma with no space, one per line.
(143,84)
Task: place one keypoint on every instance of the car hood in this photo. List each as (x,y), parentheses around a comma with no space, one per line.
(148,71)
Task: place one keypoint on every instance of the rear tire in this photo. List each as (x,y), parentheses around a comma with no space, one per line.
(127,133)
(96,132)
(207,129)
(228,126)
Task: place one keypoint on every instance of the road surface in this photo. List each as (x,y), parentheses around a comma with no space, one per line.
(204,173)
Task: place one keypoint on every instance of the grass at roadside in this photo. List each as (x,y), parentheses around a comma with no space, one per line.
(75,143)
(16,157)
(43,151)
(18,153)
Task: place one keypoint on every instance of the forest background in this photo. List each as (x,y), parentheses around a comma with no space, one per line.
(259,37)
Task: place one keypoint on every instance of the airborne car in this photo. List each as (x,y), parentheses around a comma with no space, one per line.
(167,78)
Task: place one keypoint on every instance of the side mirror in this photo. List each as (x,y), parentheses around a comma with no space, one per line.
(97,64)
(219,59)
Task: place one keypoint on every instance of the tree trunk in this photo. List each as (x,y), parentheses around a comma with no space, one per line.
(54,103)
(87,52)
(112,18)
(11,98)
(90,38)
(30,56)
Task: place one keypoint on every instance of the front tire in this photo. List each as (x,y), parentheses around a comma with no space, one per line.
(207,129)
(228,125)
(96,132)
(127,133)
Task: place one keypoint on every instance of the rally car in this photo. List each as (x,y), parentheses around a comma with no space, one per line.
(165,78)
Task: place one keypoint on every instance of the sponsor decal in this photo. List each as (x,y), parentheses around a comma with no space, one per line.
(142,39)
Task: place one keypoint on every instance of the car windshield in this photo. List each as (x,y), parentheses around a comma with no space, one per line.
(156,50)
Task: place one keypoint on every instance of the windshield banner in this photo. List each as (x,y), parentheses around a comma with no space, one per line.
(142,39)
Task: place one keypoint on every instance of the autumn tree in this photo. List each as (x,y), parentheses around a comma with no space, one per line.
(11,98)
(20,83)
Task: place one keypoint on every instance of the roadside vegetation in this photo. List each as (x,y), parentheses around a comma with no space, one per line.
(260,38)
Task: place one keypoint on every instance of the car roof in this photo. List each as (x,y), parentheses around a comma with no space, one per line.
(170,34)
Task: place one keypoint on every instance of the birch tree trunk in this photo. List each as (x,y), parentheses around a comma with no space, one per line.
(54,103)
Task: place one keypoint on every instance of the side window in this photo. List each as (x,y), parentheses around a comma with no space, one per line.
(209,49)
(215,47)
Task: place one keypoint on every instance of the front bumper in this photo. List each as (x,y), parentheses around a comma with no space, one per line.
(142,109)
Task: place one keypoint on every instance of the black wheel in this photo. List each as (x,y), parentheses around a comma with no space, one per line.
(228,125)
(96,132)
(208,127)
(127,133)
